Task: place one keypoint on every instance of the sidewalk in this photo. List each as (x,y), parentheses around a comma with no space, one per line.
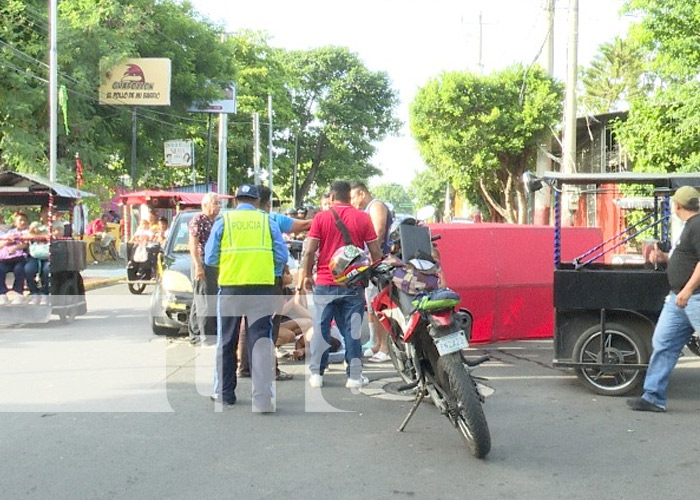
(104,274)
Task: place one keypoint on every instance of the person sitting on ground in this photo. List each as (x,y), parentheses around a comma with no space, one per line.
(296,320)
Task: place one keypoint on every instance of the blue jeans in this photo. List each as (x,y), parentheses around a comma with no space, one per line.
(16,267)
(31,269)
(347,307)
(672,332)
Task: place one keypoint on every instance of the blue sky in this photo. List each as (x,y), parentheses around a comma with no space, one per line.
(415,40)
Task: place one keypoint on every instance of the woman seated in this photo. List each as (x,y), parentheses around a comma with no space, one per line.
(38,263)
(13,256)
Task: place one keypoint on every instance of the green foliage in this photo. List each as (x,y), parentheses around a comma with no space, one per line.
(482,133)
(428,188)
(669,31)
(616,76)
(324,99)
(340,108)
(662,132)
(395,194)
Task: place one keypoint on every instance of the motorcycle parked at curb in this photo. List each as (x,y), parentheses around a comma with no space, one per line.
(427,335)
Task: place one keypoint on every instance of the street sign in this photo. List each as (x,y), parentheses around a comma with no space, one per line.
(226,105)
(179,153)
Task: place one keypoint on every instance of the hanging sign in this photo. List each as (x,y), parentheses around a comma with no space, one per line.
(137,82)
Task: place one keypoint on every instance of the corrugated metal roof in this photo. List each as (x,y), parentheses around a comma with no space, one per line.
(36,184)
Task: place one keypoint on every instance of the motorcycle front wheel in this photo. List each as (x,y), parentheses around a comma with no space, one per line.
(402,362)
(468,414)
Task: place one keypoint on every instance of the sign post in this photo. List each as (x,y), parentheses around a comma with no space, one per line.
(180,153)
(222,107)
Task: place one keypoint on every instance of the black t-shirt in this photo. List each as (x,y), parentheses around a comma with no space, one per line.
(685,256)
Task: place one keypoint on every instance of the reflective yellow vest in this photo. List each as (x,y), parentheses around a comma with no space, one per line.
(246,249)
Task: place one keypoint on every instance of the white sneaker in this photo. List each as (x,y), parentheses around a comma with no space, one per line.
(18,300)
(356,383)
(44,300)
(316,380)
(34,300)
(4,300)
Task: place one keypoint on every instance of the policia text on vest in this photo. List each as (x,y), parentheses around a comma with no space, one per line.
(246,249)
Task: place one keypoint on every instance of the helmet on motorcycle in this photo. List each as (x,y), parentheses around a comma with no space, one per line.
(347,264)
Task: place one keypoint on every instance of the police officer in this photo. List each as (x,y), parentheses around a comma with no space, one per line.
(245,244)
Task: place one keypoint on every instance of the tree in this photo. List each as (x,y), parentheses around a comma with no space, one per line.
(428,188)
(394,194)
(662,131)
(482,133)
(668,30)
(92,36)
(324,100)
(615,76)
(340,108)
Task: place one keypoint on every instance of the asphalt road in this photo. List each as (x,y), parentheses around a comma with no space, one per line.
(102,408)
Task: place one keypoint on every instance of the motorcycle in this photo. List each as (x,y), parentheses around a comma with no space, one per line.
(427,335)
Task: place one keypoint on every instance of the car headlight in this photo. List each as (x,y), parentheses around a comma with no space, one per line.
(173,281)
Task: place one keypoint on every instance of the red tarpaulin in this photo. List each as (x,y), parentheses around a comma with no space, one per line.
(504,274)
(165,199)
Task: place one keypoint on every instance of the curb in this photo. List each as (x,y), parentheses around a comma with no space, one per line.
(95,283)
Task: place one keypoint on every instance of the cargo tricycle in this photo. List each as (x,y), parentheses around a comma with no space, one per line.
(607,300)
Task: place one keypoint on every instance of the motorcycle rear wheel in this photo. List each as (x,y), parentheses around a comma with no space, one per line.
(470,420)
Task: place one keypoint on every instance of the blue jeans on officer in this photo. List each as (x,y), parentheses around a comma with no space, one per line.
(255,305)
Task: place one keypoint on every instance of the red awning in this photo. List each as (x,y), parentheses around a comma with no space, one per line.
(165,199)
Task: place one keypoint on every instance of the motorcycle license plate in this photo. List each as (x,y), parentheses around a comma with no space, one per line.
(451,343)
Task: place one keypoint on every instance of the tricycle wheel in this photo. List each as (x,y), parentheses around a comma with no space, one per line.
(68,293)
(622,346)
(137,288)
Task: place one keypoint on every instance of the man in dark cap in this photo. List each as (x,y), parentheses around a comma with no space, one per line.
(680,316)
(246,244)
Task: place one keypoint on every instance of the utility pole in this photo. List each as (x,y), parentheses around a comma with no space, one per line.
(269,148)
(53,89)
(256,147)
(134,133)
(222,175)
(296,167)
(569,140)
(569,156)
(542,197)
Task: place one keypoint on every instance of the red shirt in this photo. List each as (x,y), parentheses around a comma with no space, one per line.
(330,238)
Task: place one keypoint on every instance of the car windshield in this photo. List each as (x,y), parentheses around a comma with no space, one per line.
(180,235)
